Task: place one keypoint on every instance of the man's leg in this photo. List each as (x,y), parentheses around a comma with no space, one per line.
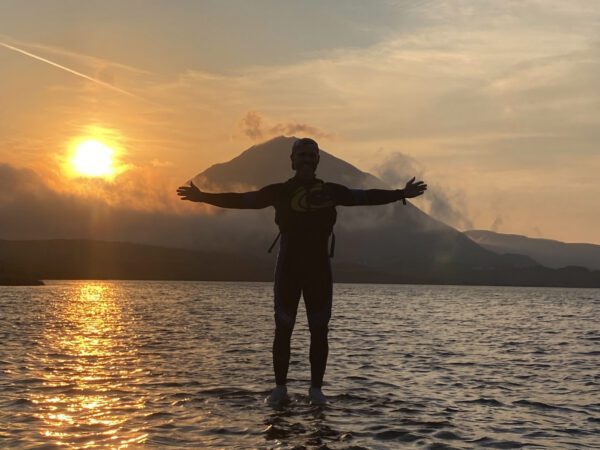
(287,295)
(318,293)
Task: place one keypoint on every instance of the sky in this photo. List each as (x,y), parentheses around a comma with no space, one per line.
(494,103)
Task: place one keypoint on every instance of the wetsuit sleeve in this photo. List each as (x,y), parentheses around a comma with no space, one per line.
(357,197)
(245,200)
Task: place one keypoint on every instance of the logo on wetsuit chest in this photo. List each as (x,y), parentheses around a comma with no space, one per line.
(309,198)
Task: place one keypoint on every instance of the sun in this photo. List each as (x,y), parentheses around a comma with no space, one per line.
(93,158)
(96,153)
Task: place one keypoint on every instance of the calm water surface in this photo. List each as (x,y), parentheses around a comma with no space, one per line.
(161,364)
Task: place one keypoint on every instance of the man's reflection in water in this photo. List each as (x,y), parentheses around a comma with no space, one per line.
(300,426)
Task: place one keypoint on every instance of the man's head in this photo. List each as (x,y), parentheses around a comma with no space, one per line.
(305,156)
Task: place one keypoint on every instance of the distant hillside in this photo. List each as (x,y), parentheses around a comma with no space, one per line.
(11,275)
(547,252)
(87,259)
(81,259)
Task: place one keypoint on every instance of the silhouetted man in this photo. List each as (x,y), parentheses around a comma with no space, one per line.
(305,213)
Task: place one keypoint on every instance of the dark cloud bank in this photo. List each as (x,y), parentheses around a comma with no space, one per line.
(30,209)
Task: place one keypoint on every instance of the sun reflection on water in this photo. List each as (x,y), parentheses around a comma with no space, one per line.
(88,369)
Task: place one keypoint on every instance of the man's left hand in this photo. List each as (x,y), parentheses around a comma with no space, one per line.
(413,189)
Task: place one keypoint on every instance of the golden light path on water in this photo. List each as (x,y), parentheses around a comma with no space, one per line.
(88,360)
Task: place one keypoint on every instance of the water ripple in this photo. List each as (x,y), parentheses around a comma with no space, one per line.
(166,364)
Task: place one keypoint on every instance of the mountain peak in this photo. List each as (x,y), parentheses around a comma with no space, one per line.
(269,162)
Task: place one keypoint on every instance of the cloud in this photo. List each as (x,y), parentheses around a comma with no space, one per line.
(462,74)
(251,125)
(445,204)
(397,168)
(256,127)
(464,80)
(449,207)
(497,224)
(290,129)
(160,163)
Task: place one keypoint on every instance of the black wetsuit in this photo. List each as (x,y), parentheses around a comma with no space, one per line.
(305,214)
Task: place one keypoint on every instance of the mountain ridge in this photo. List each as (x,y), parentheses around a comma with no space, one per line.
(548,252)
(81,259)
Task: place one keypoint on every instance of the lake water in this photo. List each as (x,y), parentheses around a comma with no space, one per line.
(174,364)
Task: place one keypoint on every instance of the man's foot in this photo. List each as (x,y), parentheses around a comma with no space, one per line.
(316,396)
(278,396)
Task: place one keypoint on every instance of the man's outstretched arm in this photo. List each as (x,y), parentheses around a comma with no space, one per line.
(245,200)
(359,197)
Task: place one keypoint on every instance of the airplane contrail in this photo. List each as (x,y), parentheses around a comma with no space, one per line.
(74,72)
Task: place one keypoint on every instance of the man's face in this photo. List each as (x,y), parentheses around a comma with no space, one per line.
(305,159)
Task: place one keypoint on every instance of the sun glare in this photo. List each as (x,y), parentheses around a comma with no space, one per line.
(96,154)
(93,159)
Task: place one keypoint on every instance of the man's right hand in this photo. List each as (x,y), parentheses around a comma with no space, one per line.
(191,193)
